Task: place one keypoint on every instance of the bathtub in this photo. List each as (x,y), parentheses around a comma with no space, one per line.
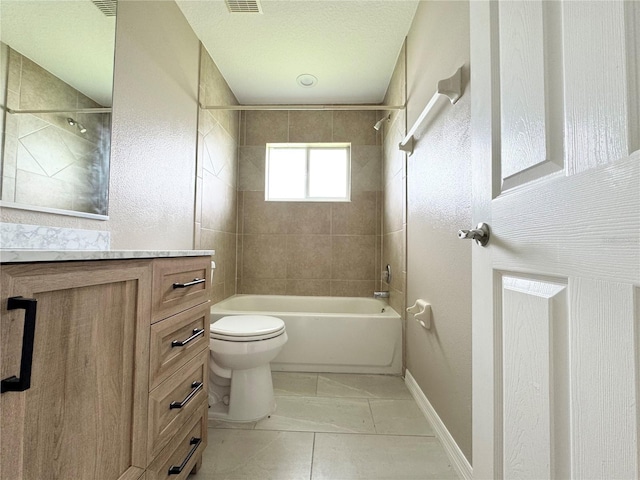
(327,334)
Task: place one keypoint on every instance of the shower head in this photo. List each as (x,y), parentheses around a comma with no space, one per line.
(379,123)
(72,122)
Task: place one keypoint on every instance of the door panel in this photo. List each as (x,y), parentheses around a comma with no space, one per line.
(595,83)
(529,95)
(534,320)
(603,355)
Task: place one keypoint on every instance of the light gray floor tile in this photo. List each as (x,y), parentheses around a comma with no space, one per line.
(315,414)
(399,417)
(252,455)
(291,383)
(362,386)
(381,457)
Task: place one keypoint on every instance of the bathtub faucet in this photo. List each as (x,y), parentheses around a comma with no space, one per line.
(380,294)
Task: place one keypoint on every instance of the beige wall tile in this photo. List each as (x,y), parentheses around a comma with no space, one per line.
(357,217)
(230,258)
(259,286)
(251,168)
(200,153)
(265,256)
(353,257)
(214,240)
(393,209)
(40,89)
(321,288)
(394,159)
(264,217)
(198,216)
(310,126)
(366,168)
(355,127)
(14,72)
(352,288)
(217,293)
(266,127)
(308,217)
(218,204)
(308,256)
(393,253)
(43,191)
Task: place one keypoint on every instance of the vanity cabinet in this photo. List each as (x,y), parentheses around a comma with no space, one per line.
(89,413)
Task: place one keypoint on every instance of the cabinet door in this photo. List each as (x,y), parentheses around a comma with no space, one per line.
(84,416)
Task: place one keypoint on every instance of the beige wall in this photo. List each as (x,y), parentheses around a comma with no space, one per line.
(152,181)
(216,224)
(309,248)
(439,203)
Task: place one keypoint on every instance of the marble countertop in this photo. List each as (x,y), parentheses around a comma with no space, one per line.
(25,256)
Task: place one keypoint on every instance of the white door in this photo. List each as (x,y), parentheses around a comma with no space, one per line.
(556,292)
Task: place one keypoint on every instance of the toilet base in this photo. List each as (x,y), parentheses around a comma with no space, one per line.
(250,395)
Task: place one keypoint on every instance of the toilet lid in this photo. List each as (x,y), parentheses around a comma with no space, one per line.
(245,326)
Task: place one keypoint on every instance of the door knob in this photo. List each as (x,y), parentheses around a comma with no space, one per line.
(480,234)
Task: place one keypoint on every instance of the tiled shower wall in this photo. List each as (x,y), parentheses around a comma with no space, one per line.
(394,179)
(217,167)
(310,248)
(46,161)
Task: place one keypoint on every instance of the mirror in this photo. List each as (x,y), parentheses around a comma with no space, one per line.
(56,82)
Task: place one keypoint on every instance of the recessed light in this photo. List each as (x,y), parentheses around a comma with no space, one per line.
(306,80)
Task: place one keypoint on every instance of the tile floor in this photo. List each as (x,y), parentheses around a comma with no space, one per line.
(329,427)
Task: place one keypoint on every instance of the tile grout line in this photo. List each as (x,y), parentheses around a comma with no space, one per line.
(313,452)
(373,420)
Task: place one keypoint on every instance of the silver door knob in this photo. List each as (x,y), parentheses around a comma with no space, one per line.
(480,234)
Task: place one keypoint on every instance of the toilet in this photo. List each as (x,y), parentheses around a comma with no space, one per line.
(240,349)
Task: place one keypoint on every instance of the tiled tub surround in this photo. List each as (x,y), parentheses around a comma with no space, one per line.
(329,427)
(47,162)
(217,166)
(309,248)
(394,180)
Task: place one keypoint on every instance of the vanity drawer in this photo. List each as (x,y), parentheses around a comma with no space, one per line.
(175,400)
(175,341)
(185,449)
(179,284)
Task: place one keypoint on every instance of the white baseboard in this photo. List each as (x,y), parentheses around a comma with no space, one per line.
(457,458)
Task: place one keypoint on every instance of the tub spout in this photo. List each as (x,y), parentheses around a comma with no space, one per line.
(380,294)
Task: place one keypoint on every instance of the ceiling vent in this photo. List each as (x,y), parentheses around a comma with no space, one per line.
(244,6)
(108,7)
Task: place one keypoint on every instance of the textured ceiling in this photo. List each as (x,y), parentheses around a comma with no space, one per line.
(350,46)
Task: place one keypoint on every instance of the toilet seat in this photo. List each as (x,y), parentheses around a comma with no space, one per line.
(246,328)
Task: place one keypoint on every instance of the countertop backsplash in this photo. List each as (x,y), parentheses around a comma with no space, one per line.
(16,236)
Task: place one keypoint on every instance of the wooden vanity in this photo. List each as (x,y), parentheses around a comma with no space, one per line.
(118,385)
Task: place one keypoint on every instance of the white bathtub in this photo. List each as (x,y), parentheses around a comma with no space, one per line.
(328,334)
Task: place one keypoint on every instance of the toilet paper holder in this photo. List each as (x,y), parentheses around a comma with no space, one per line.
(421,311)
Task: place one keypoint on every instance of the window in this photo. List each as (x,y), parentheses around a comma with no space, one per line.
(308,172)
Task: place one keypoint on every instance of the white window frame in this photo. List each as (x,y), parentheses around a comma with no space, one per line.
(308,147)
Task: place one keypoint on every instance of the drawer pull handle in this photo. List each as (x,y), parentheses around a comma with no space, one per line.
(197,386)
(195,281)
(176,470)
(181,343)
(22,383)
